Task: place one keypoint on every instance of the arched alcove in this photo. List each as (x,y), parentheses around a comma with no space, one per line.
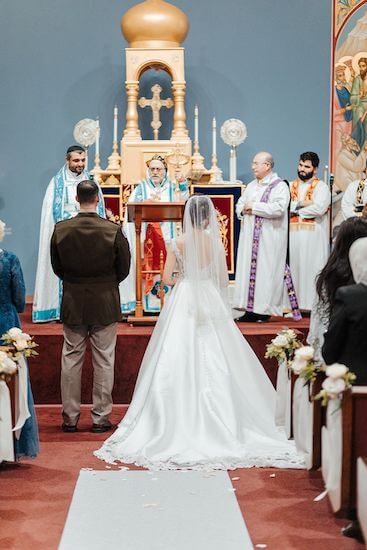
(148,78)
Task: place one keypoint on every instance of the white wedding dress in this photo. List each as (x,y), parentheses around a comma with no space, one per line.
(202,399)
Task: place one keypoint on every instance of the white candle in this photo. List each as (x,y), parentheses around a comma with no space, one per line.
(196,133)
(231,165)
(115,115)
(214,135)
(234,164)
(326,172)
(97,138)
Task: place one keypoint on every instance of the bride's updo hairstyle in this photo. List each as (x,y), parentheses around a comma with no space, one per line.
(199,211)
(204,260)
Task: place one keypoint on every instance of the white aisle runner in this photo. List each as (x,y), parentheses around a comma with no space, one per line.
(141,510)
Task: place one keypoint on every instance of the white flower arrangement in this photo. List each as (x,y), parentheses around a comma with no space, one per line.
(283,346)
(17,344)
(8,367)
(20,342)
(338,379)
(304,365)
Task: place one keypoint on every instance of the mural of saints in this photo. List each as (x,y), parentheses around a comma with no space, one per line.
(349,94)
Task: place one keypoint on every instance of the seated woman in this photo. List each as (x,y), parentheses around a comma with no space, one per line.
(12,301)
(345,341)
(336,273)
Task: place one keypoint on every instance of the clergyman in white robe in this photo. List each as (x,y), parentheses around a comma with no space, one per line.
(271,260)
(309,241)
(354,198)
(59,203)
(148,189)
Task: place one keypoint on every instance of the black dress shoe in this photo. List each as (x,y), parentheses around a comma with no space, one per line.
(69,429)
(250,317)
(100,428)
(353,531)
(247,317)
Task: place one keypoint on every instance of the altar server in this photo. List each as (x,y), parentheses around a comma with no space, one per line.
(262,244)
(309,228)
(59,203)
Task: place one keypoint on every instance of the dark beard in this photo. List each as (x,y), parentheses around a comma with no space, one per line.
(306,177)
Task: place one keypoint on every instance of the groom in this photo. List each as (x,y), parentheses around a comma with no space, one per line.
(91,257)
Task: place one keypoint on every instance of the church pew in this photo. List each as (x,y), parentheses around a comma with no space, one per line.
(362,494)
(284,384)
(7,419)
(308,418)
(343,440)
(11,386)
(284,410)
(289,406)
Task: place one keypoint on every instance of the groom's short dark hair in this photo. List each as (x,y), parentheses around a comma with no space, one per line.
(87,191)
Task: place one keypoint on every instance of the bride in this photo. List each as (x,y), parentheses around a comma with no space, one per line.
(202,399)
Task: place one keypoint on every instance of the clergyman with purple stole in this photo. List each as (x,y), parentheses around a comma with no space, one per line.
(262,274)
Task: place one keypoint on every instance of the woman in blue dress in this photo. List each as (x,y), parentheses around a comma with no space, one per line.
(12,302)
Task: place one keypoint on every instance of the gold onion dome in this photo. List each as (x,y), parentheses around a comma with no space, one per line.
(154,24)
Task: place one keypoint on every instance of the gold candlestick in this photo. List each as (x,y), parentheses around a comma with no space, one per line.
(114,160)
(96,169)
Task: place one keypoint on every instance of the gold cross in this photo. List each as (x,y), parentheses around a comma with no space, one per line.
(155,103)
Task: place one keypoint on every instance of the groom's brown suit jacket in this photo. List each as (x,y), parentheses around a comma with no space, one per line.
(91,256)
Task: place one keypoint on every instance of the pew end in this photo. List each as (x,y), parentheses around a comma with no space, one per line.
(362,494)
(344,439)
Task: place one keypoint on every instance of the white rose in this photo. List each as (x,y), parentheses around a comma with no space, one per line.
(298,364)
(280,341)
(20,344)
(334,386)
(24,336)
(305,352)
(336,370)
(14,332)
(290,334)
(7,366)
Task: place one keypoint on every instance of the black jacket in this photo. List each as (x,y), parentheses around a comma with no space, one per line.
(346,338)
(91,256)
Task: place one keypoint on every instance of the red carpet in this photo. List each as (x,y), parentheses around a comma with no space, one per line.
(35,495)
(131,344)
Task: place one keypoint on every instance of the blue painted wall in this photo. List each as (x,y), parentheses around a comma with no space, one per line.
(266,62)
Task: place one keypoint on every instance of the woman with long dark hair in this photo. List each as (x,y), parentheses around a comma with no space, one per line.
(336,273)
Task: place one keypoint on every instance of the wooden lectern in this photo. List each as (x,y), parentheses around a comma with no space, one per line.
(139,212)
